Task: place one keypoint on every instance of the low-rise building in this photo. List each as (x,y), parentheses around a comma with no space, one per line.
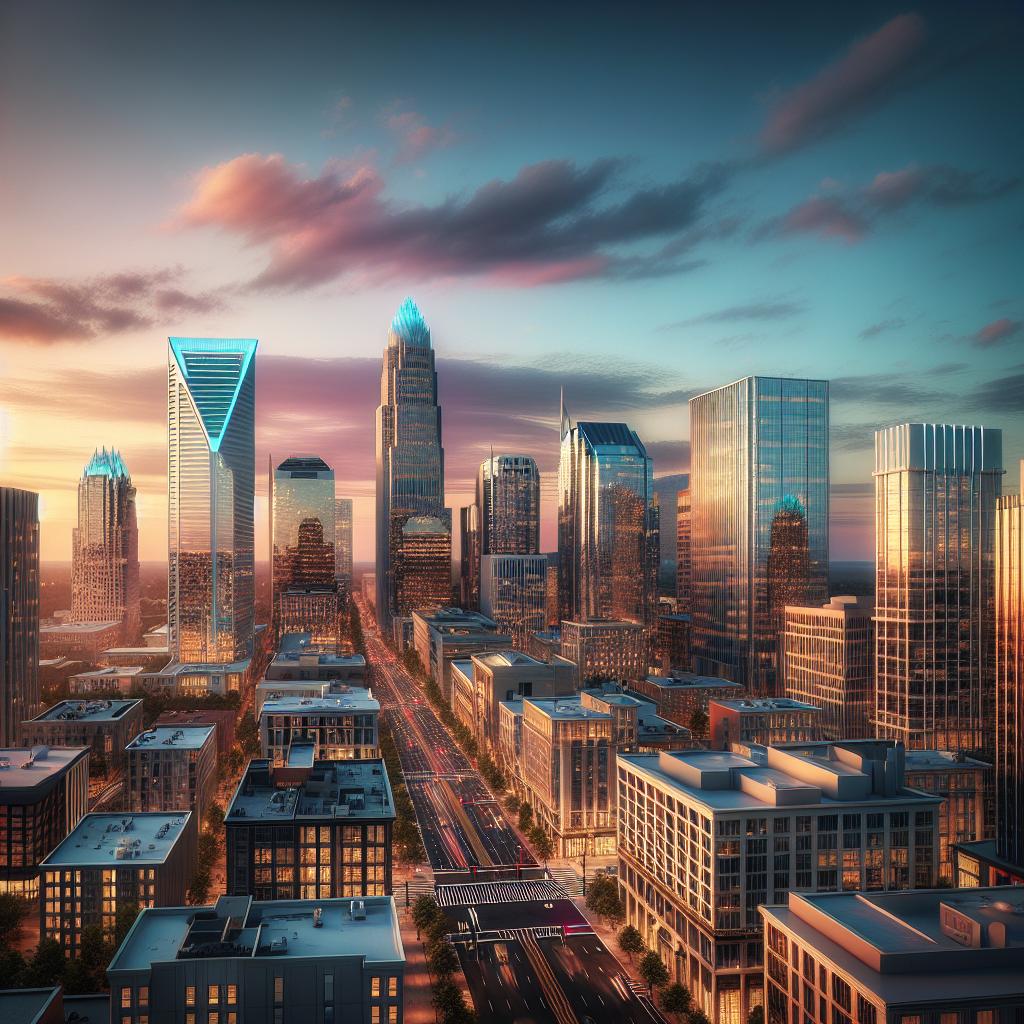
(84,640)
(980,864)
(942,956)
(157,636)
(110,862)
(146,656)
(545,644)
(678,697)
(310,829)
(298,658)
(248,962)
(707,836)
(314,610)
(121,679)
(827,659)
(172,768)
(605,649)
(767,720)
(673,643)
(638,726)
(44,791)
(443,635)
(341,727)
(222,719)
(192,679)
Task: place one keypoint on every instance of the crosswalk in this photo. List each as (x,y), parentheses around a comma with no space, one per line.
(472,894)
(413,888)
(569,879)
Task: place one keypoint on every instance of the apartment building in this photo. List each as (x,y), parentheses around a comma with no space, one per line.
(172,768)
(341,727)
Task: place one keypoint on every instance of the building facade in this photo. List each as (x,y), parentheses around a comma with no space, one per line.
(679,697)
(508,497)
(442,635)
(343,546)
(469,557)
(766,720)
(318,830)
(706,837)
(341,727)
(410,459)
(172,768)
(211,390)
(828,660)
(110,862)
(422,565)
(684,550)
(673,647)
(245,962)
(605,649)
(513,592)
(759,487)
(936,488)
(105,547)
(19,610)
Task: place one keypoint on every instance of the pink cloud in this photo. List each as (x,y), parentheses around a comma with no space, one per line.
(869,69)
(416,137)
(997,332)
(826,216)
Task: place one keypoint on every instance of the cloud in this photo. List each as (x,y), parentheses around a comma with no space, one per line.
(46,310)
(939,184)
(827,216)
(882,389)
(864,77)
(553,222)
(882,327)
(416,138)
(1003,394)
(771,309)
(851,437)
(996,332)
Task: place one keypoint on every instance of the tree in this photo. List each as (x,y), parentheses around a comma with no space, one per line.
(12,966)
(525,817)
(756,1015)
(94,953)
(215,817)
(247,734)
(447,998)
(199,886)
(541,842)
(126,915)
(12,910)
(512,803)
(653,971)
(631,941)
(676,999)
(46,967)
(698,1016)
(603,898)
(442,958)
(699,723)
(424,910)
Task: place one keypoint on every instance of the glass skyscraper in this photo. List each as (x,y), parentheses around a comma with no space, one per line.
(607,525)
(759,490)
(936,488)
(410,459)
(513,592)
(508,497)
(343,545)
(211,388)
(469,557)
(19,611)
(105,547)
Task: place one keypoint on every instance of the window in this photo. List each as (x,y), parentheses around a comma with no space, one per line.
(278,989)
(914,1018)
(232,995)
(213,994)
(374,987)
(392,1015)
(190,995)
(392,986)
(213,1017)
(143,995)
(841,992)
(949,1018)
(866,1013)
(982,1017)
(375,1015)
(328,988)
(126,998)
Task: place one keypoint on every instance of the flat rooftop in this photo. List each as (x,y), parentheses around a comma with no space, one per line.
(355,700)
(146,839)
(506,659)
(758,704)
(26,1005)
(24,767)
(82,628)
(88,710)
(565,708)
(135,652)
(282,928)
(180,737)
(692,681)
(112,671)
(330,789)
(942,760)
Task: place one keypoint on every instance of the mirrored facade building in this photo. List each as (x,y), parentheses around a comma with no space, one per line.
(19,610)
(211,387)
(607,525)
(469,557)
(410,459)
(936,488)
(105,547)
(684,556)
(759,487)
(422,564)
(513,592)
(508,497)
(343,545)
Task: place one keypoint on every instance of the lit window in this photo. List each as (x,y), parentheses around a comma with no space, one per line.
(392,1015)
(190,995)
(374,1015)
(374,987)
(126,999)
(985,1017)
(143,995)
(392,986)
(213,994)
(278,989)
(232,995)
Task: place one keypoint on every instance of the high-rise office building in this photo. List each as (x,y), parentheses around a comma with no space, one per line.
(1009,744)
(508,497)
(759,484)
(936,488)
(513,592)
(469,557)
(19,610)
(607,525)
(684,555)
(211,391)
(105,547)
(343,545)
(303,533)
(410,459)
(422,564)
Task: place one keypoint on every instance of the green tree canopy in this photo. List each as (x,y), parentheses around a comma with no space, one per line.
(653,970)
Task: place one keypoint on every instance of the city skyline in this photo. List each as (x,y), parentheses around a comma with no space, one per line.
(836,212)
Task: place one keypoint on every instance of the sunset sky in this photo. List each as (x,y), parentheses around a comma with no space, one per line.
(632,207)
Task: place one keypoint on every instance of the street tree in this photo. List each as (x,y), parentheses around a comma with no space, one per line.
(631,941)
(653,971)
(676,998)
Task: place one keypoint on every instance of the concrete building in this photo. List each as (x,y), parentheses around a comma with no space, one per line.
(43,794)
(310,829)
(106,727)
(828,659)
(469,557)
(245,962)
(705,837)
(121,679)
(223,720)
(678,697)
(298,657)
(444,634)
(605,649)
(341,727)
(545,644)
(112,861)
(638,726)
(672,651)
(895,958)
(481,682)
(84,640)
(172,768)
(766,720)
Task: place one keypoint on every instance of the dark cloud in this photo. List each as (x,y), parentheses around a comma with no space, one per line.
(554,221)
(996,332)
(1004,394)
(882,389)
(772,309)
(826,216)
(883,326)
(852,437)
(939,184)
(862,79)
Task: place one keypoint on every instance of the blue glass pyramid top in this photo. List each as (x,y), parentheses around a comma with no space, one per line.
(214,369)
(409,325)
(790,503)
(104,463)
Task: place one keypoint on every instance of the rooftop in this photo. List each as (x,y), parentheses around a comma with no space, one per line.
(22,768)
(303,465)
(181,737)
(690,680)
(88,710)
(594,624)
(103,839)
(566,708)
(26,1005)
(328,789)
(611,435)
(506,659)
(753,704)
(357,698)
(80,628)
(125,654)
(942,760)
(281,928)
